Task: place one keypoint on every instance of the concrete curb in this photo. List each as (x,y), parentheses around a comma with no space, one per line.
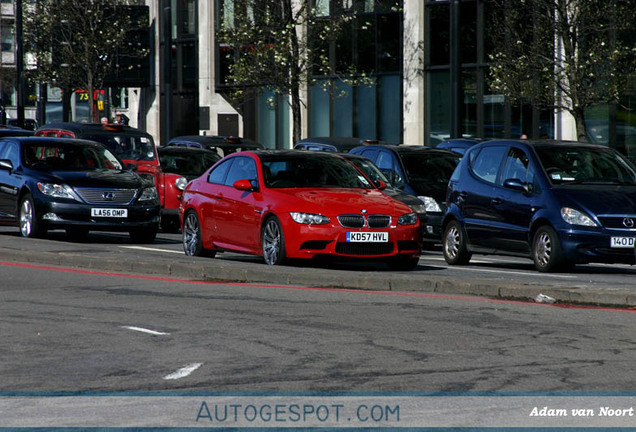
(206,269)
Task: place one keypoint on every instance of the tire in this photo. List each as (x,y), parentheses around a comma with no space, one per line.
(546,250)
(403,263)
(454,245)
(273,242)
(27,219)
(192,237)
(144,235)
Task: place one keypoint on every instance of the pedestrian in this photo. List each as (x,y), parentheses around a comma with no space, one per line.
(121,118)
(104,120)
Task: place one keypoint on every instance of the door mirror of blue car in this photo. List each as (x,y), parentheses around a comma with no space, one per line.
(6,164)
(516,184)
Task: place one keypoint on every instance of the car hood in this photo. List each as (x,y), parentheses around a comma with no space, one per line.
(97,179)
(601,199)
(332,201)
(435,190)
(403,196)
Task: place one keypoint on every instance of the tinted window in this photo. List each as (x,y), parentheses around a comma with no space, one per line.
(242,168)
(217,175)
(60,157)
(516,165)
(187,163)
(429,167)
(588,165)
(10,151)
(485,165)
(312,171)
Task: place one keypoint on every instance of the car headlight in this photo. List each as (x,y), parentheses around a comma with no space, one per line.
(309,218)
(575,217)
(408,219)
(181,183)
(149,194)
(430,204)
(56,190)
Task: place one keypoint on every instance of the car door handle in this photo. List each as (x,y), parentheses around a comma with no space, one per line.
(496,201)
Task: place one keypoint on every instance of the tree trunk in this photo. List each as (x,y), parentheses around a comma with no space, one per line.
(581,130)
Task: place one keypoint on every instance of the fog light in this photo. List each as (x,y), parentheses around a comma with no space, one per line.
(429,229)
(51,217)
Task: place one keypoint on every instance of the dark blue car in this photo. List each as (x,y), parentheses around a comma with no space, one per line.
(75,185)
(558,203)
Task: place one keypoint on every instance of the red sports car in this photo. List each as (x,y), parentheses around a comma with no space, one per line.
(291,204)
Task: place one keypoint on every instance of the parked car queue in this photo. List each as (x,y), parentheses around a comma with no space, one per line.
(494,205)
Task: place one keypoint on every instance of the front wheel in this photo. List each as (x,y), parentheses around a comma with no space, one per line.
(193,237)
(27,219)
(546,250)
(273,242)
(454,245)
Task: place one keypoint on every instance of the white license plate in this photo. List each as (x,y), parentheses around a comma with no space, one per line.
(112,213)
(623,242)
(368,237)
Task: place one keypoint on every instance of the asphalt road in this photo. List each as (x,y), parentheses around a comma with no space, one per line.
(491,276)
(89,331)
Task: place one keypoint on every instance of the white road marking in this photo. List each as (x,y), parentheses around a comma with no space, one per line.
(153,249)
(183,372)
(145,330)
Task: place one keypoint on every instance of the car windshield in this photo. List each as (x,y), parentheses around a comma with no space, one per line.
(585,165)
(61,157)
(191,164)
(311,170)
(428,167)
(371,171)
(128,147)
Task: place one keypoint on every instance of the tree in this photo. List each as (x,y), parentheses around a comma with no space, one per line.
(563,54)
(279,45)
(75,43)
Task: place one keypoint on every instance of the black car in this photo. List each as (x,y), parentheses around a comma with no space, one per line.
(331,144)
(375,175)
(558,203)
(223,145)
(76,185)
(420,171)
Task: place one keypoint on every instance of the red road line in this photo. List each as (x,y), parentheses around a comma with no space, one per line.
(343,290)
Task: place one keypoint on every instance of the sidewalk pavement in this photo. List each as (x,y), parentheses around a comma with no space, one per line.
(240,271)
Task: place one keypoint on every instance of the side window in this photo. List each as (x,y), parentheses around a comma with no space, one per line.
(11,151)
(516,165)
(217,175)
(242,168)
(485,165)
(387,165)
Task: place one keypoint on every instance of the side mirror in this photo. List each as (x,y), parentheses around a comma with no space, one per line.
(380,184)
(131,167)
(6,164)
(244,185)
(516,184)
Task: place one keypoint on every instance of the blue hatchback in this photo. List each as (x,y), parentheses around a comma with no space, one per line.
(558,203)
